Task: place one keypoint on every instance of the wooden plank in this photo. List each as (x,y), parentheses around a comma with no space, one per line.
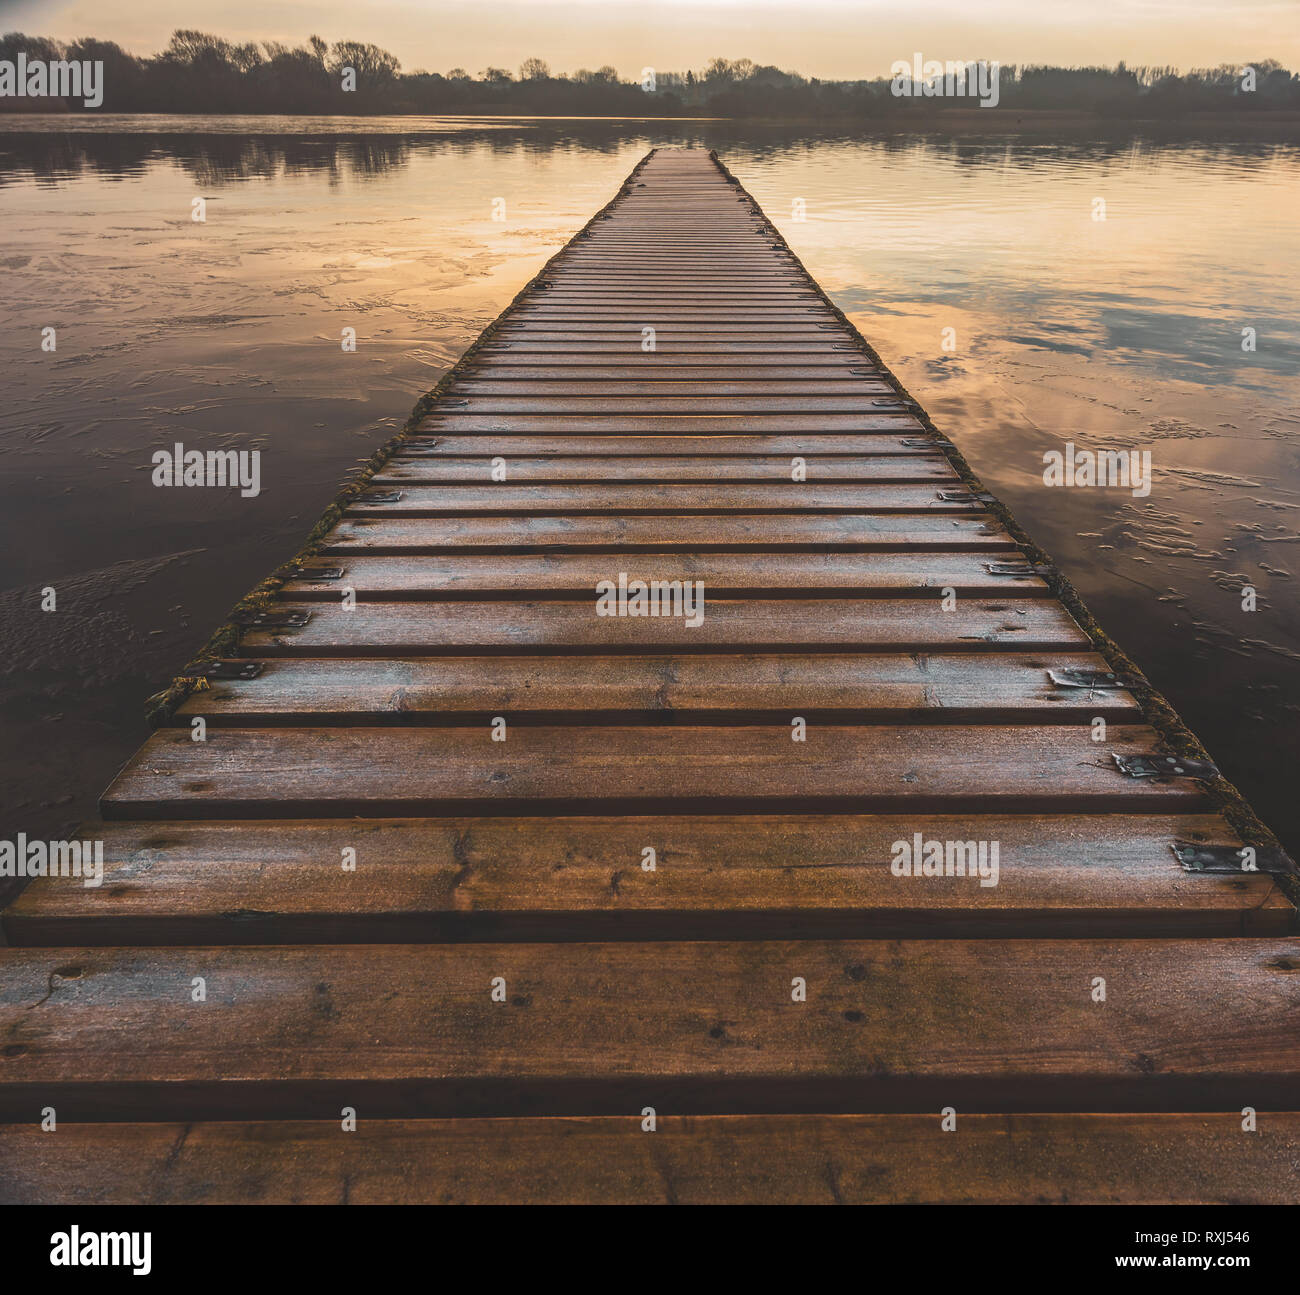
(733,320)
(533,328)
(722,575)
(726,295)
(715,878)
(701,233)
(691,285)
(537,444)
(635,769)
(956,687)
(614,271)
(673,345)
(748,469)
(729,299)
(589,258)
(670,390)
(1153,1159)
(654,268)
(547,372)
(620,272)
(695,534)
(784,625)
(615,401)
(747,359)
(584,365)
(891,423)
(987,1025)
(631,498)
(732,304)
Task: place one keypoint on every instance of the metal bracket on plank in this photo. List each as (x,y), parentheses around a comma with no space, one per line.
(925,443)
(895,402)
(1231,858)
(1089,677)
(314,573)
(231,670)
(272,620)
(1021,568)
(380,497)
(963,497)
(1164,766)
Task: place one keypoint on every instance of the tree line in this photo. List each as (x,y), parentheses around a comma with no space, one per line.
(202,73)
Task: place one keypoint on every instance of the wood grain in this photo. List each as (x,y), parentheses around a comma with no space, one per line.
(952,687)
(693,533)
(782,625)
(987,1025)
(718,575)
(307,771)
(1201,1159)
(714,878)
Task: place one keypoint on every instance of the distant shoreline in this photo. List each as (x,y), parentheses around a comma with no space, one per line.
(953,120)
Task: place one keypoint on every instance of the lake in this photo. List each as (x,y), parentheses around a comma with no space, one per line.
(977,266)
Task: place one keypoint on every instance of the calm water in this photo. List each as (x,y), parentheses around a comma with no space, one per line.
(1122,333)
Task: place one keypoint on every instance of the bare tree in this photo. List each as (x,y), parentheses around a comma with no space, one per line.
(372,64)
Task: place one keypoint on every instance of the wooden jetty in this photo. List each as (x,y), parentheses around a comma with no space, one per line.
(515,882)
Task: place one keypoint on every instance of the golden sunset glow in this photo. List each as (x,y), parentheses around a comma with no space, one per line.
(825,38)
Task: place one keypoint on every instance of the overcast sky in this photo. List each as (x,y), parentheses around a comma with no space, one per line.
(827,38)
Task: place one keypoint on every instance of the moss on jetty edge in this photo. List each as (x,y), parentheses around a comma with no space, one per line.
(224,642)
(1175,737)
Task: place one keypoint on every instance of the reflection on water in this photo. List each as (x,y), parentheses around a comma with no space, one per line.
(1117,333)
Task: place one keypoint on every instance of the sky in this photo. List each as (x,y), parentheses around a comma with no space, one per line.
(840,39)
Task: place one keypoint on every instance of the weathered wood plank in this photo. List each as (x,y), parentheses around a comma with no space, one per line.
(723,575)
(532,328)
(599,320)
(692,533)
(987,1025)
(954,687)
(671,391)
(873,396)
(665,373)
(630,498)
(520,360)
(1014,1159)
(756,469)
(568,277)
(328,772)
(714,878)
(673,343)
(674,267)
(668,445)
(724,297)
(898,423)
(787,624)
